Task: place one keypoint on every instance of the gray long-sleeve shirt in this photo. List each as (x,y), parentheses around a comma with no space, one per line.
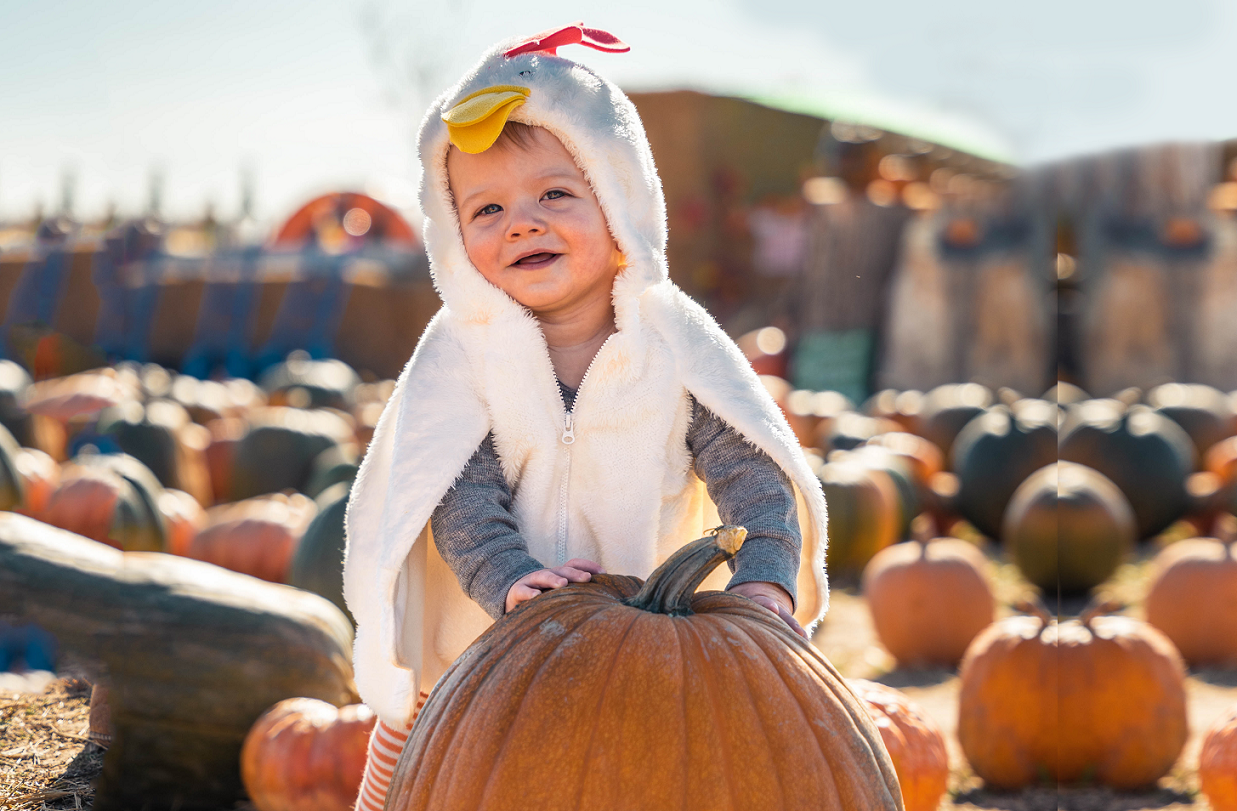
(477,535)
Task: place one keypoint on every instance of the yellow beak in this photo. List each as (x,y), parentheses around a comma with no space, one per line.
(476,121)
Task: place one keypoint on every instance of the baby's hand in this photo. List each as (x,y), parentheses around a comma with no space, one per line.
(772,597)
(576,570)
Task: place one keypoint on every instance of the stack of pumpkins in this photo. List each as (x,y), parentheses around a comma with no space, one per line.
(251,477)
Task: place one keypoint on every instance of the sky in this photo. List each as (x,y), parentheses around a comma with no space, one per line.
(316,95)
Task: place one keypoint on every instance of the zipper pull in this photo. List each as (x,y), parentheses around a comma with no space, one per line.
(569,429)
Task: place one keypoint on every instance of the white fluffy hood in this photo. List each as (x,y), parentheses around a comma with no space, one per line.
(601,129)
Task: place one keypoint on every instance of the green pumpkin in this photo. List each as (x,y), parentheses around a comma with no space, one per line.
(12,486)
(1144,453)
(137,524)
(317,383)
(996,452)
(1068,526)
(1205,413)
(278,451)
(947,409)
(318,564)
(863,515)
(336,464)
(149,434)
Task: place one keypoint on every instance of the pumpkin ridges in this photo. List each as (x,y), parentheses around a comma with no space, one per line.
(588,753)
(638,769)
(842,696)
(513,662)
(527,675)
(751,700)
(828,777)
(705,710)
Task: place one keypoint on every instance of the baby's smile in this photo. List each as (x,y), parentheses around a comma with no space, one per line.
(536,261)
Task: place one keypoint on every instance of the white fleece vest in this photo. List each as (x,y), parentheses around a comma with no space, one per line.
(615,484)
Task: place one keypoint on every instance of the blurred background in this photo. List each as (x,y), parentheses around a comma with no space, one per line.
(983,255)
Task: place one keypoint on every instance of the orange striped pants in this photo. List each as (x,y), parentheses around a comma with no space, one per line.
(385,744)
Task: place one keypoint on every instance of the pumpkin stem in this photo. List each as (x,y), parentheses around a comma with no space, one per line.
(670,587)
(1098,608)
(1036,608)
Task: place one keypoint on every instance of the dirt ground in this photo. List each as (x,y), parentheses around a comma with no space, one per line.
(46,762)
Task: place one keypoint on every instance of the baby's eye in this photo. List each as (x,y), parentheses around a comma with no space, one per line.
(554,194)
(492,208)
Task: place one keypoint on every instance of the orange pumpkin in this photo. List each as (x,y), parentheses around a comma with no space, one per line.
(257,536)
(1193,599)
(40,475)
(1098,698)
(1221,460)
(924,457)
(617,694)
(928,600)
(1217,763)
(184,517)
(304,754)
(913,740)
(220,454)
(111,499)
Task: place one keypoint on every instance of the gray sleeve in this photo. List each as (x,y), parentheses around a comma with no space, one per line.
(752,491)
(476,534)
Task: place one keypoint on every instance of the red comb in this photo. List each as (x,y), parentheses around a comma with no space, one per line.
(575,34)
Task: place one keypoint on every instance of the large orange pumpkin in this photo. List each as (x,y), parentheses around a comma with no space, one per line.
(618,694)
(1193,599)
(257,536)
(1098,698)
(1217,763)
(928,600)
(913,740)
(304,754)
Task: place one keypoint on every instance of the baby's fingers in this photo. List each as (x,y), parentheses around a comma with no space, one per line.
(790,620)
(584,564)
(573,574)
(544,579)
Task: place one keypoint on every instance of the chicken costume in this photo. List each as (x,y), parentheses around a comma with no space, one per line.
(612,479)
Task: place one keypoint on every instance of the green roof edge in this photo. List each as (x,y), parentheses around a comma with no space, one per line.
(947,132)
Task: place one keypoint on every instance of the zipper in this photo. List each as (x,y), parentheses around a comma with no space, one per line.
(568,438)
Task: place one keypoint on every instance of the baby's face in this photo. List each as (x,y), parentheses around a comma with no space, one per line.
(533,226)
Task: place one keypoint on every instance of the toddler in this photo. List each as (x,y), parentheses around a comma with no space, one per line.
(569,411)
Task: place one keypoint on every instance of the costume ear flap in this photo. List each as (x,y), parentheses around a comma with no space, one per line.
(575,34)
